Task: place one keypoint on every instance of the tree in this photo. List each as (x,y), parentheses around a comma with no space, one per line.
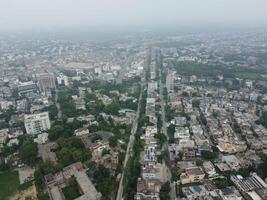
(263,119)
(77,155)
(105,151)
(55,132)
(28,152)
(185,94)
(113,141)
(65,156)
(171,130)
(161,137)
(47,167)
(199,162)
(221,182)
(195,103)
(208,155)
(112,108)
(105,183)
(165,191)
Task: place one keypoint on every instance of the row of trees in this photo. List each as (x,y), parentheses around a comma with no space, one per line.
(133,166)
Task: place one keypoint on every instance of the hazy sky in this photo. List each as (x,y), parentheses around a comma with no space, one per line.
(38,14)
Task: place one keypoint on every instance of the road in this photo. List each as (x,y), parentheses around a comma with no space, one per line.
(164,130)
(130,146)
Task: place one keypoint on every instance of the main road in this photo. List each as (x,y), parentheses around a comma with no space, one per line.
(130,145)
(164,130)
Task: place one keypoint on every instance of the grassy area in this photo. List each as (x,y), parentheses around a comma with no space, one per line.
(71,192)
(9,183)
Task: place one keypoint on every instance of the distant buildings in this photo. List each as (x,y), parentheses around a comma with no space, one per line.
(36,123)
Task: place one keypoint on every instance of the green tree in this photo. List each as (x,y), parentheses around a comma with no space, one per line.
(65,156)
(28,152)
(208,155)
(165,191)
(195,103)
(113,141)
(161,137)
(199,162)
(55,132)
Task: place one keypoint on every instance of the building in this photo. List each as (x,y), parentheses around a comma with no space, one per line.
(62,80)
(81,131)
(45,82)
(195,192)
(170,81)
(147,189)
(36,123)
(192,174)
(3,137)
(230,193)
(41,138)
(56,182)
(254,182)
(26,88)
(209,168)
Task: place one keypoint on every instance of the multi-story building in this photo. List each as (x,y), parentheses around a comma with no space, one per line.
(45,82)
(26,88)
(36,123)
(170,82)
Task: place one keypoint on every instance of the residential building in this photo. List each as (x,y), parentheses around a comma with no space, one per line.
(192,174)
(36,123)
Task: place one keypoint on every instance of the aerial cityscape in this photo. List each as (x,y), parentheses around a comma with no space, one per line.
(151,114)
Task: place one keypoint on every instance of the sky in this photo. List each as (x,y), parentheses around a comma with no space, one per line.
(41,14)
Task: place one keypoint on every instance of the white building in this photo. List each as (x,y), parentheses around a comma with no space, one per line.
(41,139)
(3,137)
(36,123)
(62,80)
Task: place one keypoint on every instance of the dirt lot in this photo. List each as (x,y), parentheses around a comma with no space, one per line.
(30,192)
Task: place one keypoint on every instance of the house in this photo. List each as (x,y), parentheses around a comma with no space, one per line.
(147,189)
(81,131)
(182,133)
(223,167)
(194,192)
(209,168)
(192,174)
(232,161)
(230,193)
(41,138)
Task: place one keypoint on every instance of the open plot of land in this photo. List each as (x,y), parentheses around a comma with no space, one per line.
(22,195)
(9,183)
(25,174)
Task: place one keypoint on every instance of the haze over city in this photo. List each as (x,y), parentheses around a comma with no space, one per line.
(55,14)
